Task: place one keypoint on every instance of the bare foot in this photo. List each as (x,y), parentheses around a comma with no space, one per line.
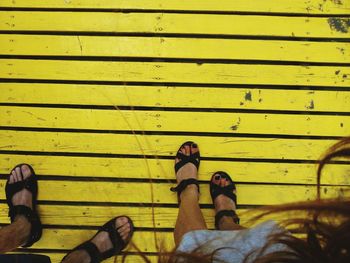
(222,202)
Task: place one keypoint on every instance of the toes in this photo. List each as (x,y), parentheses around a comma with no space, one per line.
(124,231)
(216,179)
(26,171)
(187,150)
(121,221)
(194,148)
(223,182)
(18,174)
(123,227)
(13,178)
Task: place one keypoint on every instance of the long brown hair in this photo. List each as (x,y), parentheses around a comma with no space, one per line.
(321,226)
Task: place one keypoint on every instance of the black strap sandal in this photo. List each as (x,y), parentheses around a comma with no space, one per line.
(31,185)
(118,243)
(184,159)
(216,190)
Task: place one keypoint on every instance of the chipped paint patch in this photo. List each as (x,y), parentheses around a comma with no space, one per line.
(248,96)
(339,24)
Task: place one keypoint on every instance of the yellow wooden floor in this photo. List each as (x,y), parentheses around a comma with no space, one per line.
(98,95)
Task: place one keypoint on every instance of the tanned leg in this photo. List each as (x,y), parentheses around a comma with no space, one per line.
(190,216)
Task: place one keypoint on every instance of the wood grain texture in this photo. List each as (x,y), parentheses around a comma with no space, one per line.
(201,122)
(172,23)
(164,72)
(171,47)
(159,193)
(285,6)
(272,60)
(162,145)
(179,97)
(144,168)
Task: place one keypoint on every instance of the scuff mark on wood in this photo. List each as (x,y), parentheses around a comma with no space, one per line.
(38,118)
(235,127)
(311,106)
(80,45)
(342,50)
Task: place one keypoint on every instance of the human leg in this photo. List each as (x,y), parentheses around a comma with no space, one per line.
(190,216)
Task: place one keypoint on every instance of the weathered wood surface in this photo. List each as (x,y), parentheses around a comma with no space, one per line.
(98,96)
(285,6)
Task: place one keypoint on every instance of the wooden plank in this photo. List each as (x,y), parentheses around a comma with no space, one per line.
(145,217)
(169,96)
(260,172)
(146,241)
(159,193)
(165,145)
(56,257)
(174,121)
(286,6)
(94,216)
(172,23)
(170,72)
(193,48)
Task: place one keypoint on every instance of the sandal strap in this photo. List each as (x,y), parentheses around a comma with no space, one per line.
(230,213)
(30,184)
(216,190)
(183,184)
(33,218)
(92,250)
(193,158)
(117,241)
(226,190)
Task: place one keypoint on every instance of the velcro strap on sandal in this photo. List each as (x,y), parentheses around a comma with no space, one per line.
(92,250)
(184,159)
(230,213)
(32,216)
(227,191)
(183,184)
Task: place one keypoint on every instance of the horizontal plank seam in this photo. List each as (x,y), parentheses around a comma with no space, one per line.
(177,84)
(174,109)
(177,35)
(89,227)
(106,155)
(49,250)
(94,179)
(198,61)
(119,204)
(170,11)
(171,133)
